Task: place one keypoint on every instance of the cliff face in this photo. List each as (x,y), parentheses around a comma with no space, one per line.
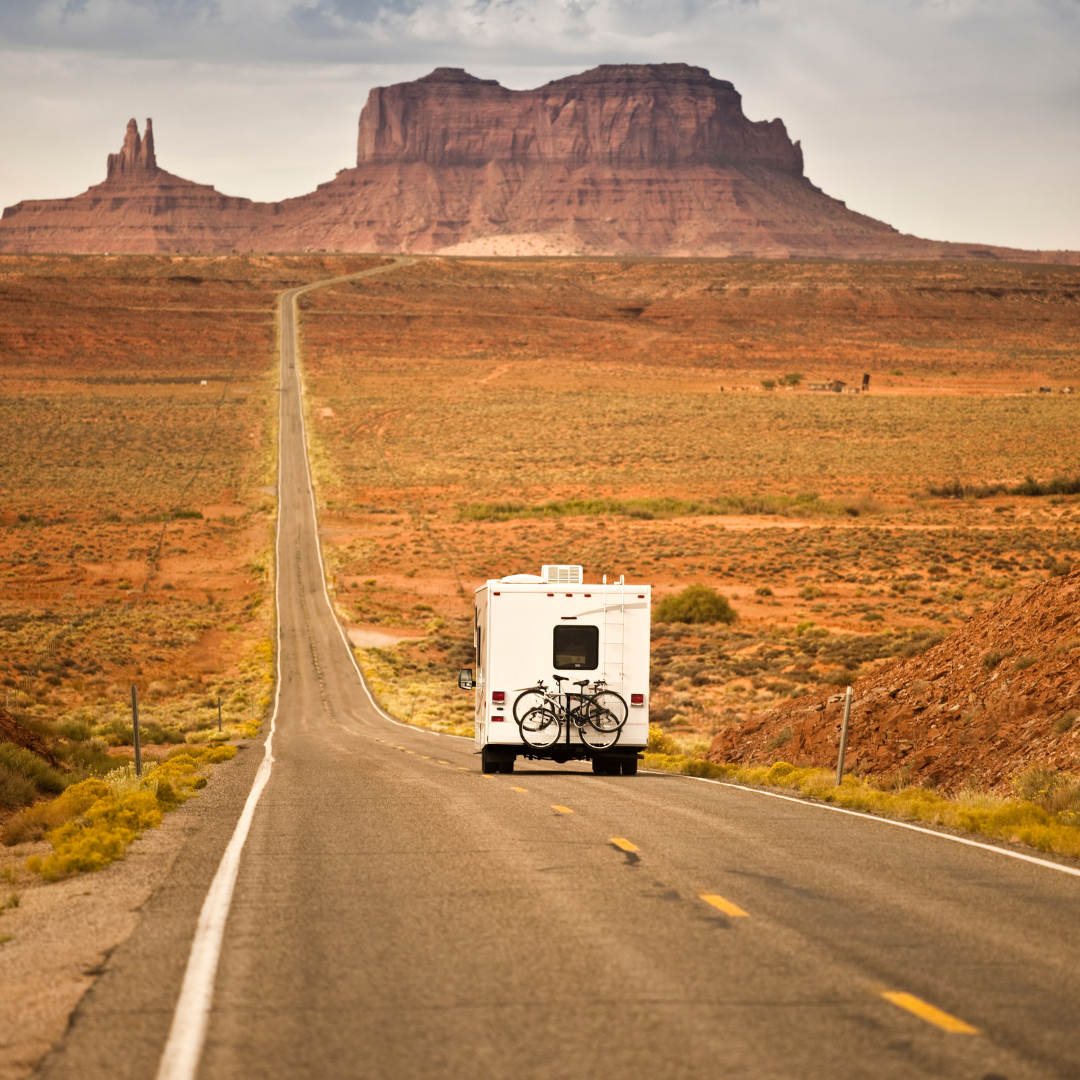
(636,116)
(635,159)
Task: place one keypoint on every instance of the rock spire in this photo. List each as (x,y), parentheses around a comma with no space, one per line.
(136,157)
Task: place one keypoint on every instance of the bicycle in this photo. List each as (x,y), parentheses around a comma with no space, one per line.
(542,718)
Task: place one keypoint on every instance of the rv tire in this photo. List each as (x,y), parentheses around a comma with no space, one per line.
(488,762)
(629,766)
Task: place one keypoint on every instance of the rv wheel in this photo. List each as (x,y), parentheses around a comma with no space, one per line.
(488,763)
(508,765)
(629,766)
(605,766)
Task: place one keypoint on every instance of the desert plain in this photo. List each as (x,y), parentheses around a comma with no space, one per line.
(471,418)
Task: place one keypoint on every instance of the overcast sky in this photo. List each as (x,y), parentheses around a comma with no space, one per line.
(951,119)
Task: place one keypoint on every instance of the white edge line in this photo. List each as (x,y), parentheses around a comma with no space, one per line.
(318,543)
(890,821)
(187,1034)
(183,1049)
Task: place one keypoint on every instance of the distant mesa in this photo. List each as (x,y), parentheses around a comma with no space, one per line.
(625,159)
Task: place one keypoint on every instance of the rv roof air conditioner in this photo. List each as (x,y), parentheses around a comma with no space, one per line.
(562,575)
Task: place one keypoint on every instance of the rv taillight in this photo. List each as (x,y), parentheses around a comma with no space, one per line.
(498,695)
(637,699)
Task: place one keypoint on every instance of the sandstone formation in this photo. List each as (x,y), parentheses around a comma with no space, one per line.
(993,698)
(138,208)
(634,159)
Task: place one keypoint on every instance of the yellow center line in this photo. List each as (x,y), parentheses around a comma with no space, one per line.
(410,751)
(426,757)
(932,1015)
(622,843)
(562,809)
(519,789)
(726,906)
(444,762)
(463,768)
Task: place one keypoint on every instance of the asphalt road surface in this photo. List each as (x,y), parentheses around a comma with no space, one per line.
(397,914)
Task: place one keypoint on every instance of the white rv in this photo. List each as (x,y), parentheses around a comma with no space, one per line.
(555,629)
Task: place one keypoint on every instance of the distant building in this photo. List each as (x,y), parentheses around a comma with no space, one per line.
(1046,389)
(834,386)
(1066,389)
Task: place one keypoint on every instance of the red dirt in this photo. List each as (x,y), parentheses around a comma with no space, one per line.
(949,716)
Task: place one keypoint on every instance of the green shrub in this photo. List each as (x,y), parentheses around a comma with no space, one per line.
(76,730)
(763,590)
(15,790)
(1022,663)
(695,604)
(782,738)
(22,762)
(991,659)
(1065,722)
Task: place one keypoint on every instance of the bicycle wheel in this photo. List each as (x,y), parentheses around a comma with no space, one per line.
(601,730)
(530,699)
(613,703)
(539,727)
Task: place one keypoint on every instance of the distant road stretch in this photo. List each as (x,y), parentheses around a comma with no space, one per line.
(398,915)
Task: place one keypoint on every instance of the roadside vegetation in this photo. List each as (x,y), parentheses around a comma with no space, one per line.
(1043,810)
(93,822)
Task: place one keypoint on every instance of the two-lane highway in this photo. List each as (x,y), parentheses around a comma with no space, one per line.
(399,914)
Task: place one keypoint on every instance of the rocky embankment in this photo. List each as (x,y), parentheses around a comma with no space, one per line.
(997,696)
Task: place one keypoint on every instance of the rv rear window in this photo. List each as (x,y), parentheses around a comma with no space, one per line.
(577,648)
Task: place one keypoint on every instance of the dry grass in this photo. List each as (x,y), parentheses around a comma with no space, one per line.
(137,431)
(1044,812)
(472,419)
(94,822)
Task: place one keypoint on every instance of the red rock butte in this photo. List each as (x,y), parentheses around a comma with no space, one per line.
(628,159)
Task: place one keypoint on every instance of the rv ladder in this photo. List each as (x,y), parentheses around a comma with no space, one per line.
(612,667)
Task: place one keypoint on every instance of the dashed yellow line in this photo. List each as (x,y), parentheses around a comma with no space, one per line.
(623,844)
(561,809)
(519,789)
(410,751)
(930,1013)
(726,906)
(441,762)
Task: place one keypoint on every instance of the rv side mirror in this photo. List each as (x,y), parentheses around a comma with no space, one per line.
(465,679)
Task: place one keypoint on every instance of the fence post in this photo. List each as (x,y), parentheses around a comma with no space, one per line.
(135,728)
(219,712)
(843,738)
